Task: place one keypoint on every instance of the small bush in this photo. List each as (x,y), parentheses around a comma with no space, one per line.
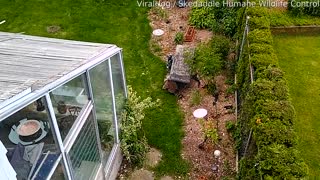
(207,63)
(212,87)
(178,38)
(195,98)
(209,131)
(202,17)
(134,144)
(230,126)
(220,44)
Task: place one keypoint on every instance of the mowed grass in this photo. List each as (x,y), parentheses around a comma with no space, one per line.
(299,57)
(116,22)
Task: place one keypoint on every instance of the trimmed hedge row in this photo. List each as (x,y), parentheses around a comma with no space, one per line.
(300,7)
(266,108)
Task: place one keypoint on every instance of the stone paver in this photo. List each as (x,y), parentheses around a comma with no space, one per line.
(141,174)
(166,178)
(153,157)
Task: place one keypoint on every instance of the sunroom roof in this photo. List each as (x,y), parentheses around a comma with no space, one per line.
(29,62)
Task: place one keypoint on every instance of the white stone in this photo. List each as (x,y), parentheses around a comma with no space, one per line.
(217,153)
(200,113)
(158,32)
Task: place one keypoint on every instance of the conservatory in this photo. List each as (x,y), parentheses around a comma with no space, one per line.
(60,108)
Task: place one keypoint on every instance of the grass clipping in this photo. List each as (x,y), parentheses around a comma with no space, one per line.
(133,141)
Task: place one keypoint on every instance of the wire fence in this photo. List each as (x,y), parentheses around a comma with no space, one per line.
(246,133)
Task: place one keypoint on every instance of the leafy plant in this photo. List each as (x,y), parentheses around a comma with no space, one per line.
(202,16)
(159,12)
(178,38)
(195,98)
(230,126)
(212,87)
(134,144)
(209,130)
(220,44)
(206,63)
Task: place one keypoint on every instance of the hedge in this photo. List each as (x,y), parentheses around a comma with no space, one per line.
(266,108)
(308,9)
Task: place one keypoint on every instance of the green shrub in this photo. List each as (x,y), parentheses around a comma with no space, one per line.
(260,36)
(268,131)
(230,126)
(134,144)
(256,48)
(276,110)
(207,63)
(270,73)
(220,44)
(257,12)
(219,19)
(265,89)
(263,60)
(209,131)
(259,23)
(202,16)
(212,87)
(279,162)
(266,109)
(178,38)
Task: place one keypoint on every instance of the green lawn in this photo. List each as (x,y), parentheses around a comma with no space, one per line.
(299,57)
(118,22)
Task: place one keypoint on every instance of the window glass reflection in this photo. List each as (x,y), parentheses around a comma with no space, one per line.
(68,100)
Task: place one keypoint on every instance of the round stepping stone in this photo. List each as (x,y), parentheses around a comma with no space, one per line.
(200,113)
(141,174)
(166,178)
(158,32)
(153,157)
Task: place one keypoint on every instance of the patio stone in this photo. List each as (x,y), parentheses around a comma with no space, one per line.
(166,178)
(141,174)
(153,157)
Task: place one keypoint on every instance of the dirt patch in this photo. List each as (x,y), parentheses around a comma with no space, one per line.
(202,159)
(173,20)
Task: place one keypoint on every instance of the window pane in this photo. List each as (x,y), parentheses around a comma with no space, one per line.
(100,82)
(118,83)
(84,153)
(68,100)
(58,173)
(29,131)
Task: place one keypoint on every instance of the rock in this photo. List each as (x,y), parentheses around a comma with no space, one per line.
(166,178)
(53,29)
(153,157)
(171,86)
(141,174)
